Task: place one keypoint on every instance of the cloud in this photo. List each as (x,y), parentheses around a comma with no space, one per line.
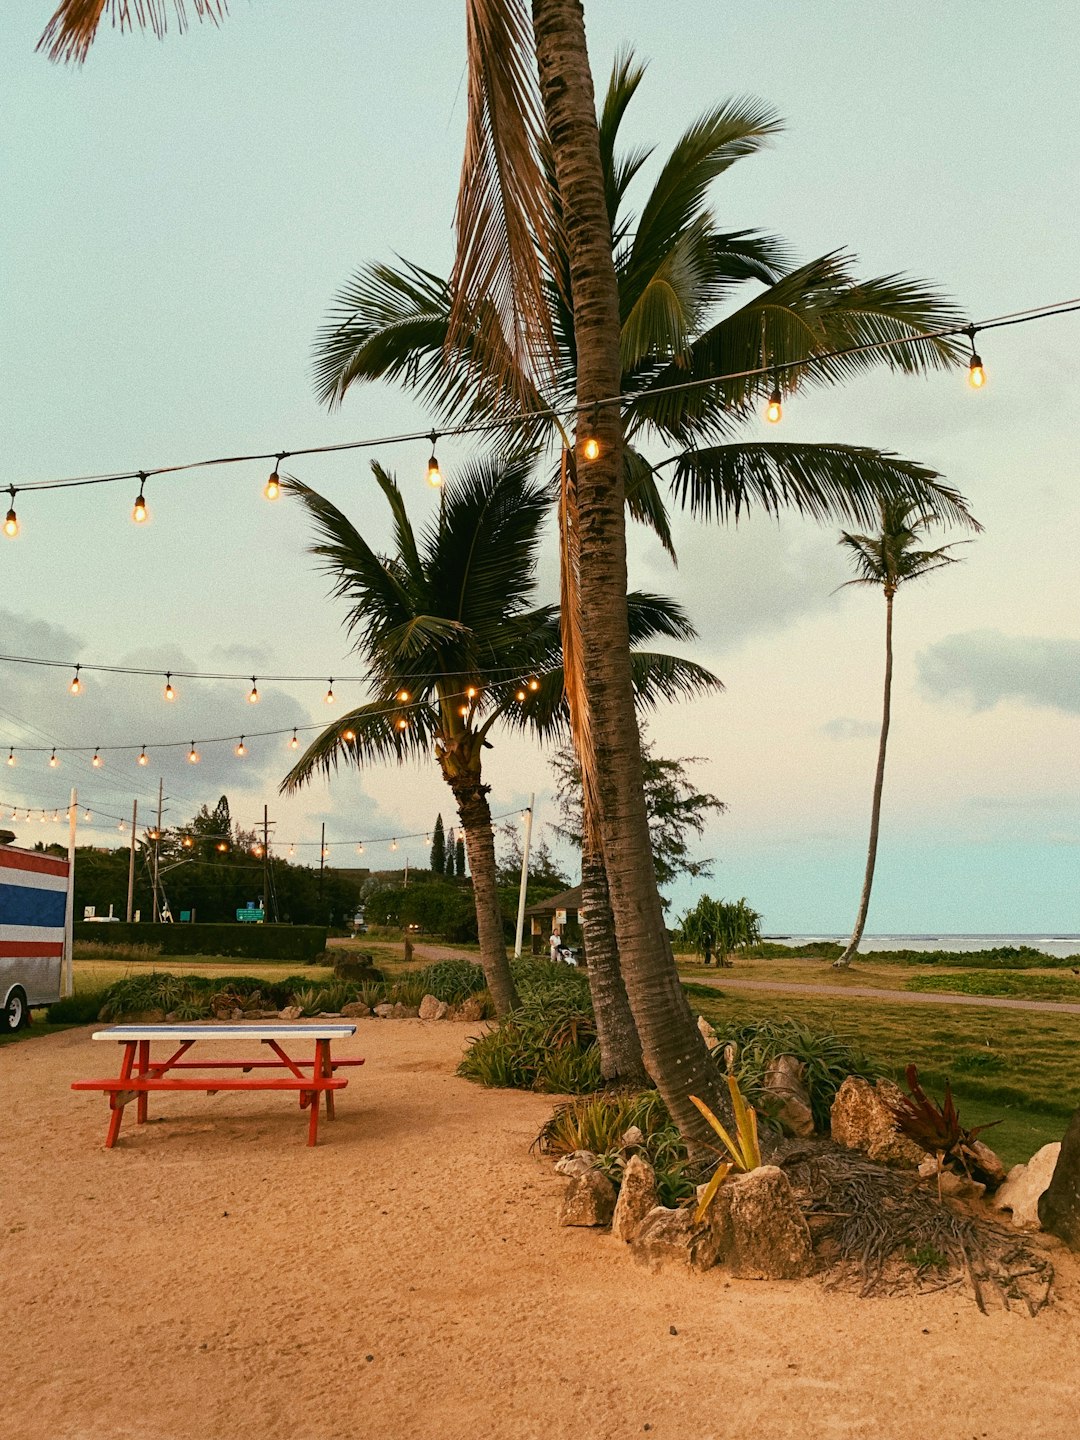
(843,727)
(981,668)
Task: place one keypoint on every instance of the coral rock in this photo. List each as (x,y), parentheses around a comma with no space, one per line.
(432,1008)
(637,1196)
(355,1010)
(769,1238)
(785,1086)
(589,1200)
(1024,1186)
(577,1163)
(383,1011)
(862,1120)
(673,1237)
(291,1012)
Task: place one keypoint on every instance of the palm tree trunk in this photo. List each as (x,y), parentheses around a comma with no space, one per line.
(879,780)
(673,1050)
(475,815)
(620,1048)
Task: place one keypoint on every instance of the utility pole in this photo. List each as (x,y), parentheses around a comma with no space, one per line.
(524,875)
(267,906)
(157,848)
(322,864)
(68,986)
(131,860)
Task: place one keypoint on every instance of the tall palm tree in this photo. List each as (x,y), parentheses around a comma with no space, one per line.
(888,559)
(455,646)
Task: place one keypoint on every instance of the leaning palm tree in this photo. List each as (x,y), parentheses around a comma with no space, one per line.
(455,647)
(887,560)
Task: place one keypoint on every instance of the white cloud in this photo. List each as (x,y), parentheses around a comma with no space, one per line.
(981,668)
(843,727)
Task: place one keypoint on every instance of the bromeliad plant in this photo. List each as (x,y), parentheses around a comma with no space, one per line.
(744,1150)
(937,1128)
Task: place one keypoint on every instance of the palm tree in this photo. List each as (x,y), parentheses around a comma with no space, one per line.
(455,646)
(888,559)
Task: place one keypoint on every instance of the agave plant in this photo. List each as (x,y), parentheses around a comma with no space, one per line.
(937,1128)
(744,1149)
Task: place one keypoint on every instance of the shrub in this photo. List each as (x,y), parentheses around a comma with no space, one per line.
(252,942)
(82,1008)
(102,950)
(452,980)
(598,1123)
(195,997)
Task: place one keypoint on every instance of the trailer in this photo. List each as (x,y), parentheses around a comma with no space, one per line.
(35,933)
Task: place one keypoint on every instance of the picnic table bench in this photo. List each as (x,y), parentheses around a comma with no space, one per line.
(139,1074)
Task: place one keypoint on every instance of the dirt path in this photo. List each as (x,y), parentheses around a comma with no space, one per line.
(902,997)
(213,1279)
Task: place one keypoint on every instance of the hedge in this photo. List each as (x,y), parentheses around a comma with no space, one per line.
(252,942)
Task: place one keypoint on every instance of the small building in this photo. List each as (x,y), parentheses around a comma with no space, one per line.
(562,913)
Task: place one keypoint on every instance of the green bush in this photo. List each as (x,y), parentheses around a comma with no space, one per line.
(547,1043)
(82,1008)
(302,943)
(452,980)
(598,1123)
(195,997)
(829,1060)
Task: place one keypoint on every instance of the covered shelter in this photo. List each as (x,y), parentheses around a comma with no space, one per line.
(560,912)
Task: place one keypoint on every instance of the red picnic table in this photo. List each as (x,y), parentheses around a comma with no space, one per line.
(139,1074)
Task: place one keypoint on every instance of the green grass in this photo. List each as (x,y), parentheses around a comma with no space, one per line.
(1012,1065)
(1001,982)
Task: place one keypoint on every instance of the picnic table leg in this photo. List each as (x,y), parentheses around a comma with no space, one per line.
(313,1122)
(118,1109)
(322,1050)
(144,1068)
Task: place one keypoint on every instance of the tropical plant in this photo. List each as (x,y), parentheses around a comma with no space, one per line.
(827,1060)
(888,559)
(719,926)
(937,1128)
(743,1150)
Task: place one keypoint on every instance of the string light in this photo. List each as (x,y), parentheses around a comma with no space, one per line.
(393,844)
(188,842)
(360,848)
(76,684)
(193,755)
(294,743)
(404,696)
(472,692)
(170,693)
(434,474)
(534,683)
(120,826)
(328,698)
(88,815)
(139,513)
(56,817)
(402,723)
(253,693)
(221,847)
(590,447)
(11,520)
(520,695)
(774,410)
(292,851)
(348,735)
(272,488)
(241,749)
(464,711)
(143,758)
(976,373)
(11,756)
(53,761)
(97,761)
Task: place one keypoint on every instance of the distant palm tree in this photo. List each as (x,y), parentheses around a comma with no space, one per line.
(455,646)
(888,559)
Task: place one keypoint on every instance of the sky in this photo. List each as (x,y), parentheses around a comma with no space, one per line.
(177,217)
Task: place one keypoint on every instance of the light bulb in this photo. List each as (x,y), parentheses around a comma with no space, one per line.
(272,488)
(257,851)
(976,373)
(434,474)
(292,851)
(328,698)
(193,755)
(53,761)
(187,842)
(170,693)
(11,520)
(86,815)
(96,761)
(348,735)
(120,826)
(44,818)
(241,749)
(464,710)
(143,758)
(76,684)
(360,848)
(402,723)
(590,447)
(393,844)
(253,693)
(403,696)
(775,408)
(324,852)
(11,757)
(534,683)
(56,816)
(520,695)
(472,692)
(221,847)
(139,513)
(294,743)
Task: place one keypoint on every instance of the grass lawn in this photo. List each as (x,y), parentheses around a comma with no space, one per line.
(1025,984)
(1015,1066)
(1050,984)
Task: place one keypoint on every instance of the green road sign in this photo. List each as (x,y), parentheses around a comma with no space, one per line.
(251,914)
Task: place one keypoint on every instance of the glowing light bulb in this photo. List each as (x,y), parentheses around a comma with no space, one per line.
(534,683)
(434,474)
(464,710)
(272,488)
(393,844)
(44,818)
(775,410)
(11,757)
(221,847)
(193,755)
(328,698)
(402,723)
(97,761)
(403,696)
(258,851)
(324,852)
(241,749)
(120,826)
(11,520)
(53,761)
(253,693)
(187,842)
(294,743)
(170,693)
(472,692)
(143,758)
(87,815)
(76,684)
(590,447)
(360,848)
(292,851)
(520,695)
(348,735)
(139,513)
(976,373)
(56,817)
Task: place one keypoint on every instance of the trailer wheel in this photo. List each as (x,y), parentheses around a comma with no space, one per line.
(15,1013)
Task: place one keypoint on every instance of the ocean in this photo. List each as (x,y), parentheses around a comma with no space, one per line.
(1050,944)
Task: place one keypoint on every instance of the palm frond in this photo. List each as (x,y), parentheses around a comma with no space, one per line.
(659,677)
(504,211)
(377,738)
(649,616)
(74,24)
(890,558)
(643,499)
(626,75)
(824,482)
(669,304)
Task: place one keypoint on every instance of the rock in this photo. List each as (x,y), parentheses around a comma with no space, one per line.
(431,1008)
(986,1164)
(768,1237)
(862,1120)
(291,1012)
(633,1138)
(708,1034)
(785,1085)
(172,1017)
(383,1011)
(673,1237)
(589,1200)
(637,1196)
(1059,1205)
(471,1009)
(959,1187)
(1025,1184)
(404,1012)
(355,1010)
(579,1163)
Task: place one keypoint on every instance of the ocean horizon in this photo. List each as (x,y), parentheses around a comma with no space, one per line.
(1056,943)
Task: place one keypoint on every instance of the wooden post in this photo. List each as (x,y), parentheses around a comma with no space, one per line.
(524,875)
(131,861)
(67,979)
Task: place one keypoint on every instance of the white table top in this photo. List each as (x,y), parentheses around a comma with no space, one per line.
(254,1031)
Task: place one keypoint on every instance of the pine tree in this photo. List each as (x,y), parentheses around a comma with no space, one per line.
(438,847)
(459,856)
(448,858)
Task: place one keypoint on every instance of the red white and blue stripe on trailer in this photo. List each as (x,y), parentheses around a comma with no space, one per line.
(33,896)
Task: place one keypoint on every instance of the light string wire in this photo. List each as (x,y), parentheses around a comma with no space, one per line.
(506,422)
(160,670)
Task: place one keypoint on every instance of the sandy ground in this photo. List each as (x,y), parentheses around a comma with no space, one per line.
(213,1279)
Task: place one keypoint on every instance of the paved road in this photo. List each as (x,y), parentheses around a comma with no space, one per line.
(902,997)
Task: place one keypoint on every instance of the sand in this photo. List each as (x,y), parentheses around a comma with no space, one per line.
(214,1279)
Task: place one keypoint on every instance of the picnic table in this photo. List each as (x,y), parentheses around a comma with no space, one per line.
(139,1074)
